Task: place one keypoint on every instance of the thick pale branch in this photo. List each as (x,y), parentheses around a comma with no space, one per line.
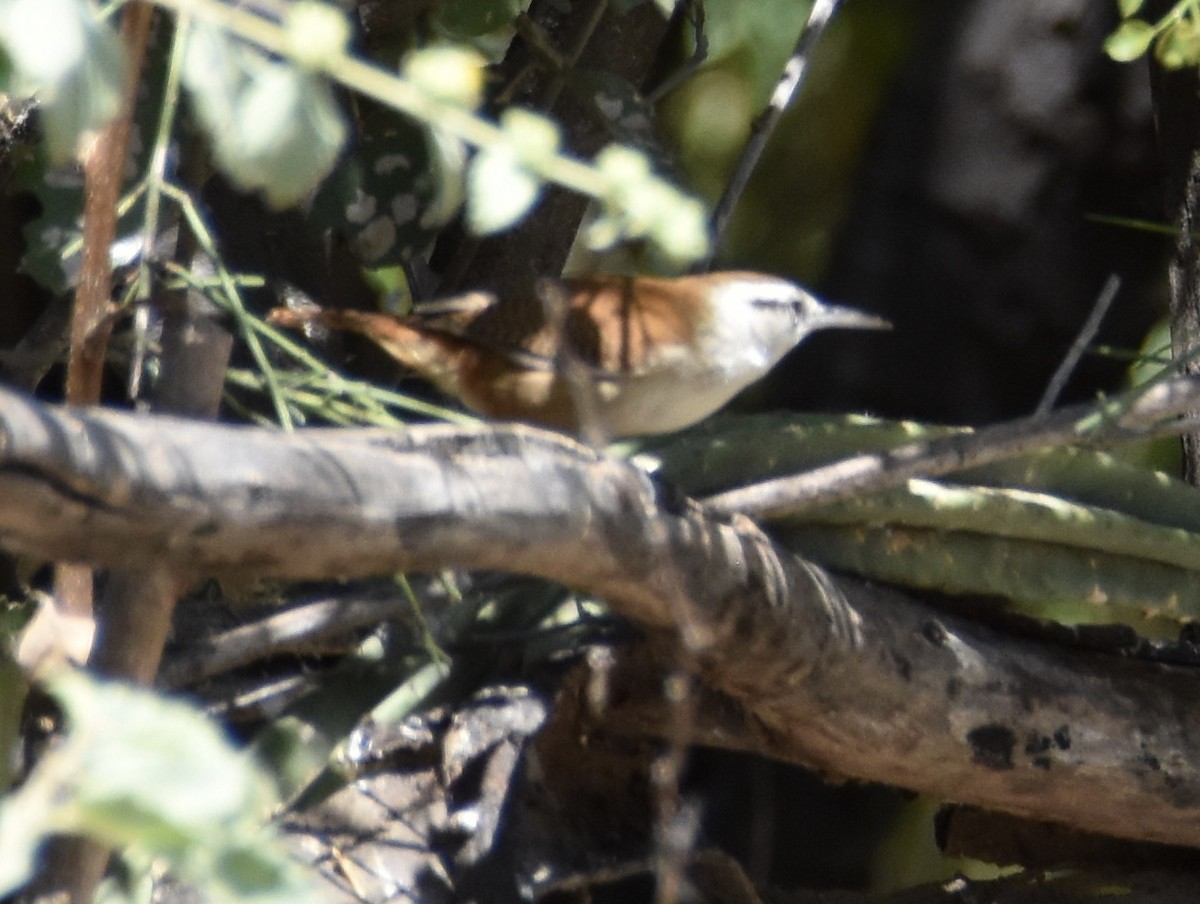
(860,682)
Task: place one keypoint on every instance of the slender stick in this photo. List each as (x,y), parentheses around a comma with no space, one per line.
(794,72)
(103,164)
(1087,333)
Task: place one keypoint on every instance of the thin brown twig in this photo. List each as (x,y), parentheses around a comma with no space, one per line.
(73,866)
(103,165)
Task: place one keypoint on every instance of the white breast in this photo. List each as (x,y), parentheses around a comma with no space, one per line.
(681,387)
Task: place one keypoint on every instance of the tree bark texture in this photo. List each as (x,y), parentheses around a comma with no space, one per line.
(855,680)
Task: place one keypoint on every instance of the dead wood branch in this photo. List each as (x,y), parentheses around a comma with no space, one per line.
(858,681)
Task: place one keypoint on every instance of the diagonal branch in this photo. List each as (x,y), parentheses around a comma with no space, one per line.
(858,681)
(1125,417)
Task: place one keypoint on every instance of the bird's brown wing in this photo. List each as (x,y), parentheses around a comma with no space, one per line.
(613,325)
(518,327)
(621,325)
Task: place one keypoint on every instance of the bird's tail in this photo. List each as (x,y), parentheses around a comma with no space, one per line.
(428,352)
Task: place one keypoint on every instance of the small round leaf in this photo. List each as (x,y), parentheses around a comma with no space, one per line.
(1130,41)
(499,190)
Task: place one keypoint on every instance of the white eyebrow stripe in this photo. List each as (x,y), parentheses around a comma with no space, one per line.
(768,292)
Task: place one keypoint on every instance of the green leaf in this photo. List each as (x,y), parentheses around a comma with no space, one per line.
(273,127)
(156,758)
(60,51)
(761,35)
(290,135)
(500,190)
(23,827)
(213,72)
(317,33)
(681,233)
(392,192)
(1179,45)
(1130,41)
(152,777)
(639,205)
(452,75)
(470,18)
(535,139)
(1128,7)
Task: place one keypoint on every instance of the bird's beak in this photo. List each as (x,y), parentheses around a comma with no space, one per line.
(833,316)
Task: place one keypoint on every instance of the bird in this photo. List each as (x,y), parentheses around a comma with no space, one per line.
(624,355)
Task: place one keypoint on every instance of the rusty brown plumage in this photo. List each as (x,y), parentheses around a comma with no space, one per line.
(655,354)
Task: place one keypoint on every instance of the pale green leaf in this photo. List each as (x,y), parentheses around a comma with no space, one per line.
(1178,45)
(23,825)
(317,34)
(215,71)
(152,777)
(682,232)
(499,190)
(274,128)
(535,138)
(289,133)
(1130,41)
(469,18)
(61,52)
(453,75)
(148,763)
(623,165)
(638,204)
(1128,7)
(46,40)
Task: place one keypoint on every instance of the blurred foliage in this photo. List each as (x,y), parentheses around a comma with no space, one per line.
(393,192)
(1175,37)
(262,92)
(71,59)
(814,155)
(155,779)
(274,127)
